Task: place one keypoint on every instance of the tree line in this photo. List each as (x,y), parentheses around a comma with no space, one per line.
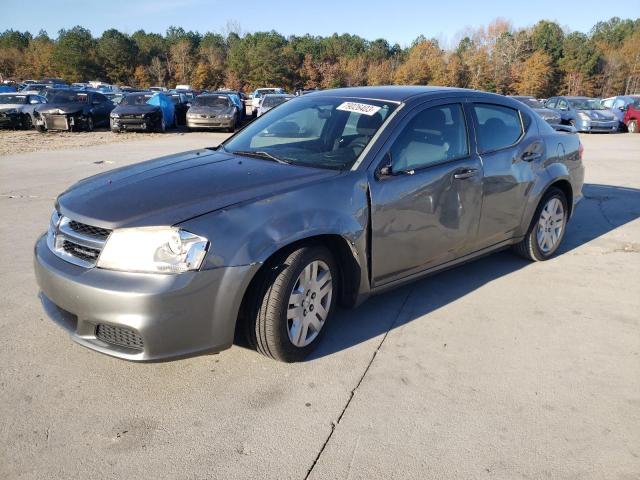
(542,60)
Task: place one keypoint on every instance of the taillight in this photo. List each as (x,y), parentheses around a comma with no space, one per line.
(580,151)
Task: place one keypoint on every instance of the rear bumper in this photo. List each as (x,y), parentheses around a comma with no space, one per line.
(173,315)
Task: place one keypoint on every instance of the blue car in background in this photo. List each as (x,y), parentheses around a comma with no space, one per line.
(584,113)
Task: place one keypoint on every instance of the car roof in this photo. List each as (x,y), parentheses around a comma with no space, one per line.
(394,93)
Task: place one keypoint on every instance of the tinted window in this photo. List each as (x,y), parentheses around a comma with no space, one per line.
(551,103)
(563,105)
(434,135)
(498,126)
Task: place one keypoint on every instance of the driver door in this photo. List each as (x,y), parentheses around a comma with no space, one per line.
(425,210)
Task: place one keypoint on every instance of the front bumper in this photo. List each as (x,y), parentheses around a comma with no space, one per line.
(144,124)
(171,315)
(10,120)
(216,122)
(596,125)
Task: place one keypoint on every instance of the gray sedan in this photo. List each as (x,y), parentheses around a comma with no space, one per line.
(329,199)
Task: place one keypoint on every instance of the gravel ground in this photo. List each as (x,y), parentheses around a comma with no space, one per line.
(25,141)
(498,369)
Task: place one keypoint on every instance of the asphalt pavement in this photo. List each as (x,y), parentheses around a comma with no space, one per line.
(499,369)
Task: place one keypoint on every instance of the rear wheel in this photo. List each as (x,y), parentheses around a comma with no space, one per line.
(632,126)
(292,304)
(547,228)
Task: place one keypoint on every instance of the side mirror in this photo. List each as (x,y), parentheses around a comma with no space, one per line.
(385,169)
(622,108)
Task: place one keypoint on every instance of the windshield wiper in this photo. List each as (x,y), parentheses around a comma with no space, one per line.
(260,154)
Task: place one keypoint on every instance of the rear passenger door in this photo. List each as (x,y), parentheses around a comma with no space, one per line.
(426,207)
(510,148)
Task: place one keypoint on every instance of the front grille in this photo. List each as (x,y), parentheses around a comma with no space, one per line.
(87,254)
(76,242)
(97,232)
(122,336)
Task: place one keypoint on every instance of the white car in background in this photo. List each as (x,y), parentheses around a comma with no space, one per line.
(271,100)
(256,96)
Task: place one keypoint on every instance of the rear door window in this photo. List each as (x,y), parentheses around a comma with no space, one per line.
(498,126)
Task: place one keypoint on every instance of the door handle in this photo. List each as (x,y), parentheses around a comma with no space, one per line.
(465,173)
(530,156)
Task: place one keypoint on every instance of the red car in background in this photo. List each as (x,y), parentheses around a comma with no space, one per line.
(632,115)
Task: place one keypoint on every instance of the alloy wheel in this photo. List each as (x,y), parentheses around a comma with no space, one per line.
(309,303)
(550,225)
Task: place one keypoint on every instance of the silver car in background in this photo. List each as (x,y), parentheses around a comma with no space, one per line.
(267,102)
(213,111)
(548,115)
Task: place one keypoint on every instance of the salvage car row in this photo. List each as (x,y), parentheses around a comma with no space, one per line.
(54,106)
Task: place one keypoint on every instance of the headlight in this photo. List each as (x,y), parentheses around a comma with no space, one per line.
(584,116)
(115,115)
(153,250)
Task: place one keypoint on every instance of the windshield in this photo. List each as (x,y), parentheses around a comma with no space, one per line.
(260,93)
(586,104)
(530,102)
(13,99)
(69,97)
(635,101)
(325,132)
(138,99)
(273,101)
(220,101)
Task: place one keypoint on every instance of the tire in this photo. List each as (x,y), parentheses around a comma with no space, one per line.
(536,245)
(89,124)
(163,125)
(632,126)
(40,129)
(270,328)
(27,123)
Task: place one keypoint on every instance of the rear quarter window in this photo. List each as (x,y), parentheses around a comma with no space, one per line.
(498,126)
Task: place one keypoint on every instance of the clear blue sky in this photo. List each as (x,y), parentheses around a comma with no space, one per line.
(396,20)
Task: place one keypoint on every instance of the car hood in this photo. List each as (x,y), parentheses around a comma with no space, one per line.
(599,114)
(210,110)
(61,108)
(173,189)
(135,109)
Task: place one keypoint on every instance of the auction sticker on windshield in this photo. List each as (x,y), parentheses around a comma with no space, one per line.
(363,108)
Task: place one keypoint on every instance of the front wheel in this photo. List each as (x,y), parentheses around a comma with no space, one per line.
(547,228)
(632,126)
(293,304)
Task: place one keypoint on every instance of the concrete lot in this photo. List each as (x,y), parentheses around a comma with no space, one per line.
(497,369)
